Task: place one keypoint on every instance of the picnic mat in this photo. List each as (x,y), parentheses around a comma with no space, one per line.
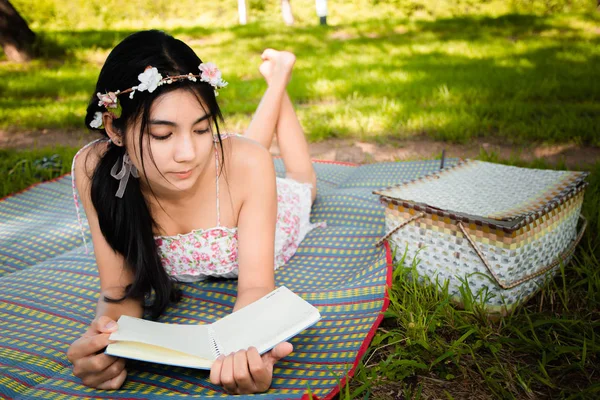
(49,288)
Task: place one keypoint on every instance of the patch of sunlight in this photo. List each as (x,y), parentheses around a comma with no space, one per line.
(514,62)
(324,87)
(462,48)
(572,56)
(94,57)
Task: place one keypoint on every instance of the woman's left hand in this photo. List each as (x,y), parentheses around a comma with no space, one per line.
(246,371)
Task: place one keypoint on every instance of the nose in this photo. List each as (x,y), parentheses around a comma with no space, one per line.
(185,149)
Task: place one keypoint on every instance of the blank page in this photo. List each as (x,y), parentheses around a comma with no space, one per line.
(268,321)
(190,339)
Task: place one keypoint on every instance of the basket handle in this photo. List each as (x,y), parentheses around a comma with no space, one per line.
(561,258)
(408,221)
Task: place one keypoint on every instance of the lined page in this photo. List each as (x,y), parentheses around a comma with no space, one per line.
(190,339)
(268,321)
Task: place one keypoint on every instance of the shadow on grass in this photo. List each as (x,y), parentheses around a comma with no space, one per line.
(516,77)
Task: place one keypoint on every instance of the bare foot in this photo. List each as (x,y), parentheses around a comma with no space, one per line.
(277,66)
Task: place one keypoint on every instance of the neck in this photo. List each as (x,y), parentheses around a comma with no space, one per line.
(174,199)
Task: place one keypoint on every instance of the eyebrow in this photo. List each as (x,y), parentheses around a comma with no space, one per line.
(171,123)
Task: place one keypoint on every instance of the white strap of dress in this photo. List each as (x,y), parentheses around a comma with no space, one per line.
(217,172)
(75,189)
(215,141)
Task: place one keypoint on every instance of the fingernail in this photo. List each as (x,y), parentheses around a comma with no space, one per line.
(110,325)
(220,357)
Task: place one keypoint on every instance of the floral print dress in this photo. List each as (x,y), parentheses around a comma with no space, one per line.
(213,252)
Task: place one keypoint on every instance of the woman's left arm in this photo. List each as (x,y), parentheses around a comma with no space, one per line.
(256,228)
(246,371)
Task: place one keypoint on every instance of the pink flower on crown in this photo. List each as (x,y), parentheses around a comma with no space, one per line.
(212,75)
(108,100)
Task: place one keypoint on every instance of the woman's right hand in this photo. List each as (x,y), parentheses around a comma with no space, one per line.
(90,364)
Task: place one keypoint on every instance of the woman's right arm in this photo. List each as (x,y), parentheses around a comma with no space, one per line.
(90,364)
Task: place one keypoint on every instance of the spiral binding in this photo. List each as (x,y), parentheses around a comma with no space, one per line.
(214,346)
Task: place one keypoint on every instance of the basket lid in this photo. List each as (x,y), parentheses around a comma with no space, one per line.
(500,195)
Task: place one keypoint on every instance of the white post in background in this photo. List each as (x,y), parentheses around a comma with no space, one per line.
(321,6)
(242,11)
(286,12)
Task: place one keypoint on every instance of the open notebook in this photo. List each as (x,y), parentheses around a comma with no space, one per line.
(263,324)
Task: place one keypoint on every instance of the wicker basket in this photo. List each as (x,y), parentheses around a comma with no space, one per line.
(503,230)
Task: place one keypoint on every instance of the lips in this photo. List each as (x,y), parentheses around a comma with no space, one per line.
(183,174)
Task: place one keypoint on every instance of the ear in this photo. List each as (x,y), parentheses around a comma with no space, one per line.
(111,131)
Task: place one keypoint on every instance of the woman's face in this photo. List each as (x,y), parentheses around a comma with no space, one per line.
(179,136)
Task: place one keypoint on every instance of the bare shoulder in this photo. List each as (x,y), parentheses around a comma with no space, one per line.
(86,162)
(248,157)
(249,164)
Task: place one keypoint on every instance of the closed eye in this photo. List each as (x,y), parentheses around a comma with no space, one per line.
(200,132)
(161,137)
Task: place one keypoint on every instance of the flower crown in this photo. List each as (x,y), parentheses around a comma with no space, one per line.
(150,79)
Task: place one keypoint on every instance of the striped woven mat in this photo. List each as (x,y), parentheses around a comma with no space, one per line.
(49,288)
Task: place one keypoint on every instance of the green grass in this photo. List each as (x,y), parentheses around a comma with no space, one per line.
(427,348)
(21,169)
(511,77)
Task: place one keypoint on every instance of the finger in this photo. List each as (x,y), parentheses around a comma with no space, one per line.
(241,373)
(115,382)
(104,324)
(278,352)
(258,370)
(215,370)
(112,371)
(86,346)
(93,364)
(227,379)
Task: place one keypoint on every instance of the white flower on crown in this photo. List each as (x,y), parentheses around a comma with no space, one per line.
(97,121)
(149,79)
(212,75)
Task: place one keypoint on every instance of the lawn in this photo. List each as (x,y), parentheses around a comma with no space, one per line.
(511,77)
(518,76)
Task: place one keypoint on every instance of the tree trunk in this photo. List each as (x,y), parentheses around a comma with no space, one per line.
(15,36)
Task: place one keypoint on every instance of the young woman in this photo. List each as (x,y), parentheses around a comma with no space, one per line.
(169,198)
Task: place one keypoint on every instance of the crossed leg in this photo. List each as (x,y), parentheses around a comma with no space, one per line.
(275,114)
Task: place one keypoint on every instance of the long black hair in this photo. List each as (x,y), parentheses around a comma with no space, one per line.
(126,223)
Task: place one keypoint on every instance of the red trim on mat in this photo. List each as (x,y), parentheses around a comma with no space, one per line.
(34,185)
(365,345)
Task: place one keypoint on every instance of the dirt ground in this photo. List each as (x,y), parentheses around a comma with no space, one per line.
(572,155)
